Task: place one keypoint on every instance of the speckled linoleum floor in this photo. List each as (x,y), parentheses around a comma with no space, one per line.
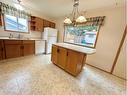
(35,75)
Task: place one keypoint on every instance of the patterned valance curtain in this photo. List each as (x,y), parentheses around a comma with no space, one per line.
(95,21)
(6,9)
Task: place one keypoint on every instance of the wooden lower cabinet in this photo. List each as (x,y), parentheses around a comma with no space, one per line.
(62,57)
(13,51)
(1,50)
(54,54)
(69,60)
(28,49)
(18,48)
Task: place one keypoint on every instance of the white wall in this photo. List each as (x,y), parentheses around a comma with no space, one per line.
(120,68)
(109,36)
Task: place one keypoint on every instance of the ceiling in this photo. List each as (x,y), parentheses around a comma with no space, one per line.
(58,8)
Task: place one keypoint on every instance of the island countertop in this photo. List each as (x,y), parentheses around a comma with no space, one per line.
(77,48)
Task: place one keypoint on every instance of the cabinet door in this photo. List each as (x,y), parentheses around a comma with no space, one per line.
(28,49)
(54,54)
(46,23)
(12,51)
(39,24)
(71,62)
(52,25)
(62,54)
(74,62)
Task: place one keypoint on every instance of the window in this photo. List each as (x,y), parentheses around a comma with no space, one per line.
(81,35)
(13,23)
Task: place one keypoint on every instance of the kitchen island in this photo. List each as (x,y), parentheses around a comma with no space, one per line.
(70,58)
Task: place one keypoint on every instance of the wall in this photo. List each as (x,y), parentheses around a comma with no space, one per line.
(120,68)
(109,36)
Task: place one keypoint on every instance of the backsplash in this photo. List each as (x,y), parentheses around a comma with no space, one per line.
(31,34)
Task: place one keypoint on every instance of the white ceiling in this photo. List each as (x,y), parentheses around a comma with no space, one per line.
(58,8)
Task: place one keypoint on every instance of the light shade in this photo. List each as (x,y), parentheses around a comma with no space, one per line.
(81,19)
(18,6)
(67,21)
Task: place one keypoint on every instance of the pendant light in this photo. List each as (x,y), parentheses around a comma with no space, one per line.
(76,17)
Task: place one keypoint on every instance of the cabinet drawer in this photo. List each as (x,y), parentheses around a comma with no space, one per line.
(12,42)
(28,42)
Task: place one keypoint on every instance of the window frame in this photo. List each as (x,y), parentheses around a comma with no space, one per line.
(28,24)
(80,44)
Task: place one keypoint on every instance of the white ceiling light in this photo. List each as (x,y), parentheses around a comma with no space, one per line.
(76,17)
(67,20)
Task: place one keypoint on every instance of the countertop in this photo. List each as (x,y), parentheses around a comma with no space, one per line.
(77,48)
(7,38)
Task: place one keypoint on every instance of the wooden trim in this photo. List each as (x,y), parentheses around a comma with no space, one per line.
(28,32)
(83,45)
(98,68)
(118,51)
(106,71)
(97,37)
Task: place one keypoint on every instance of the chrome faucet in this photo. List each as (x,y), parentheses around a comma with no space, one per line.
(10,35)
(20,36)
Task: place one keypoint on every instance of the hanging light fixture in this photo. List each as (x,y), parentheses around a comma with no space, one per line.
(76,17)
(18,5)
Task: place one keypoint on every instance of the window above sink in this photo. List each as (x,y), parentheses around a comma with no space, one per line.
(13,23)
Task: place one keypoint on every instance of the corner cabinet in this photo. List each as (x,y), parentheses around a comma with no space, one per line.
(69,60)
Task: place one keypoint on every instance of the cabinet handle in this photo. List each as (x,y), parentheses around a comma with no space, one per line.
(58,50)
(67,53)
(2,49)
(22,47)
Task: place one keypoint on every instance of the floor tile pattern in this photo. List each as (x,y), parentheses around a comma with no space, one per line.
(36,75)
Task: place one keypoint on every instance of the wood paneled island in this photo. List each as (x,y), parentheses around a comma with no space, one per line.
(70,58)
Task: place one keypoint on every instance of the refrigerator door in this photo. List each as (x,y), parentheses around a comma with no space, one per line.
(50,41)
(49,32)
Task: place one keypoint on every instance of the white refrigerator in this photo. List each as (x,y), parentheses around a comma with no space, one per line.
(50,35)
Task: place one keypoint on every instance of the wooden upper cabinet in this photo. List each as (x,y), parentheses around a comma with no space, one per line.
(36,24)
(52,25)
(39,24)
(46,23)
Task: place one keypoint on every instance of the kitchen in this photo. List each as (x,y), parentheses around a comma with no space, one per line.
(41,53)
